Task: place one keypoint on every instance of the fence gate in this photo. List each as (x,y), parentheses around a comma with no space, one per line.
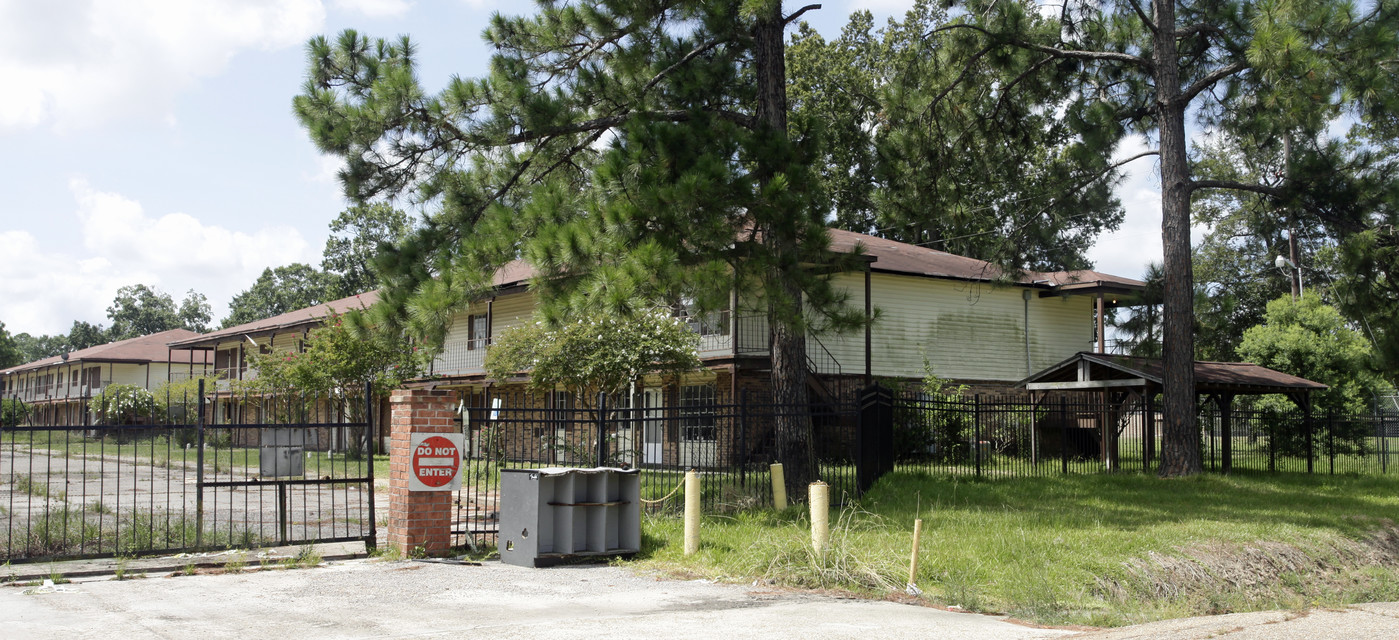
(188,473)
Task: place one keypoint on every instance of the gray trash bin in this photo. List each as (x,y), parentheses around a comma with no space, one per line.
(556,514)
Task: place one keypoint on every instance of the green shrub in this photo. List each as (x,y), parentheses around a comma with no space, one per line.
(13,412)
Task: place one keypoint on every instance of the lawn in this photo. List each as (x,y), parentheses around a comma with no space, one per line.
(1093,549)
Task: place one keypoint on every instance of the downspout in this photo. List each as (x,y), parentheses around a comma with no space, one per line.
(1025,295)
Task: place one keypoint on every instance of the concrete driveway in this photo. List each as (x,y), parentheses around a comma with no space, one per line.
(375,599)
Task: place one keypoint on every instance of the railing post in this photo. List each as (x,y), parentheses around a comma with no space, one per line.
(976,411)
(199,474)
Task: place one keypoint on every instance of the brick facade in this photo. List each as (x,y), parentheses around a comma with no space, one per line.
(420,522)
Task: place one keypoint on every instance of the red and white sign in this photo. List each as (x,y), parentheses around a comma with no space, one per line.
(436,462)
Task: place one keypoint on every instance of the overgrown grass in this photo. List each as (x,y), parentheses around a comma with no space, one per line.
(72,530)
(1094,549)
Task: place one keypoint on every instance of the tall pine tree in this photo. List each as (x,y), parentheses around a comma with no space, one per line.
(635,151)
(1144,68)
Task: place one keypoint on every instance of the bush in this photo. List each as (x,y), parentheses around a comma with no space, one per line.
(122,404)
(13,412)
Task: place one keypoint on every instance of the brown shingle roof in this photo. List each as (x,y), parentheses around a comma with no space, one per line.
(151,348)
(1210,377)
(300,317)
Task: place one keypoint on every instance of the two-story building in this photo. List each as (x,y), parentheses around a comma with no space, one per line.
(57,389)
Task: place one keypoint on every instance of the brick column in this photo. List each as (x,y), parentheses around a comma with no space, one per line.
(418,520)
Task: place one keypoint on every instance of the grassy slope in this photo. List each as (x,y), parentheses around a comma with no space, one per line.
(1095,549)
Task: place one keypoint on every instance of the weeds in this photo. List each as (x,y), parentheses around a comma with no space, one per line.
(237,564)
(27,484)
(307,557)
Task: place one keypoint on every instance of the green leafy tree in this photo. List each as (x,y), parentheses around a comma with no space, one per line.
(280,290)
(1259,67)
(194,312)
(83,335)
(40,347)
(10,353)
(336,361)
(635,153)
(357,236)
(13,412)
(595,355)
(902,118)
(338,358)
(1309,339)
(139,310)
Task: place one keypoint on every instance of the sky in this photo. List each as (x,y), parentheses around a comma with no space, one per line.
(153,142)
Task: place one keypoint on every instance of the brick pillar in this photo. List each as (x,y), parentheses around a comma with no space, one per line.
(419,521)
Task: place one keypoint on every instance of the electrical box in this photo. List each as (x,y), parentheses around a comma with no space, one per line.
(556,514)
(282,451)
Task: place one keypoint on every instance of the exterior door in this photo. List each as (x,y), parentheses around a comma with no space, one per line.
(653,428)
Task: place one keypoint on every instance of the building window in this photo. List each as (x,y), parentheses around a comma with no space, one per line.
(478,332)
(714,323)
(697,413)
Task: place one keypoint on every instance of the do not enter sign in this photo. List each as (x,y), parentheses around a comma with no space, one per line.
(435,462)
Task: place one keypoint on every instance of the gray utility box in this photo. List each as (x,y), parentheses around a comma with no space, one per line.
(281,452)
(551,515)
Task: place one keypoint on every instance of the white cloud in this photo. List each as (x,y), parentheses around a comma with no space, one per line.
(76,63)
(44,290)
(375,8)
(1137,243)
(327,170)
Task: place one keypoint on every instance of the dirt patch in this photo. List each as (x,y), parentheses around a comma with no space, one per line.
(1262,570)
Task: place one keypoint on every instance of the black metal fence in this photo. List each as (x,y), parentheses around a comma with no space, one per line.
(1014,436)
(730,445)
(141,475)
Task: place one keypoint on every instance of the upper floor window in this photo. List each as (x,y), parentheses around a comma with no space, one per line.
(478,331)
(714,323)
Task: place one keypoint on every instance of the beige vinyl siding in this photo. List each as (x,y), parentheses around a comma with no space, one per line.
(508,311)
(965,330)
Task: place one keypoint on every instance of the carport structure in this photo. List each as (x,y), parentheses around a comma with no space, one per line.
(1122,380)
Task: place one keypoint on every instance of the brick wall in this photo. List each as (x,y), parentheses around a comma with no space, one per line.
(419,521)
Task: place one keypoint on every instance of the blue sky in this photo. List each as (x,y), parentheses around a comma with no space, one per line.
(152,141)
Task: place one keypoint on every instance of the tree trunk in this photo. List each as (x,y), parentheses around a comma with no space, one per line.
(792,424)
(1180,446)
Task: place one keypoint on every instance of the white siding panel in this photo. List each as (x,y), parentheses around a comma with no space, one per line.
(963,330)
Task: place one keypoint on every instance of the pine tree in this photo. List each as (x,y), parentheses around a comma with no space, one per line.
(1269,67)
(634,151)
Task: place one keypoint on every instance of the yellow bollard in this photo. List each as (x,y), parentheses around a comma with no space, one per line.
(779,487)
(912,587)
(692,512)
(819,497)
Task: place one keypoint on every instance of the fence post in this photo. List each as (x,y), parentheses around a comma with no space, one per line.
(1307,427)
(199,474)
(601,428)
(743,438)
(976,412)
(1064,435)
(1331,438)
(1226,424)
(371,540)
(874,442)
(1383,449)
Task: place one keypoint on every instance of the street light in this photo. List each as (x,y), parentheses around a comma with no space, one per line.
(1294,274)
